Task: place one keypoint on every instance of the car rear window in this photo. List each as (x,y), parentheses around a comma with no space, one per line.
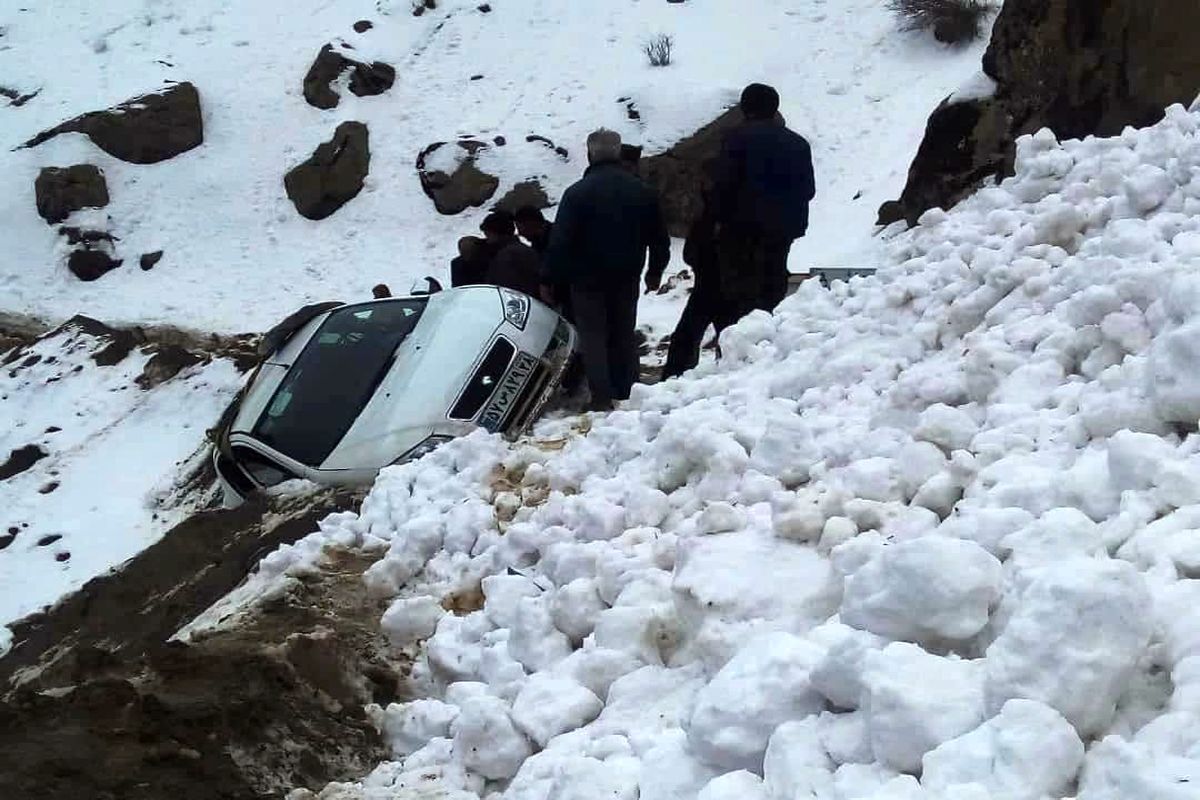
(334,378)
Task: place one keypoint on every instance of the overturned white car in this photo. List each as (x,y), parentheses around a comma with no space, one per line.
(365,385)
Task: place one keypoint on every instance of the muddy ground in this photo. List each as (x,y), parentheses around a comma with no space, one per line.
(96,703)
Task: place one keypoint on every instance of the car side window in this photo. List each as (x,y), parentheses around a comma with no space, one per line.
(263,470)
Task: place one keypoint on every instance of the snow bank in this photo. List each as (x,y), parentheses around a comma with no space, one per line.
(939,522)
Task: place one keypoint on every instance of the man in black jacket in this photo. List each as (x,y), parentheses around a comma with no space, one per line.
(606,223)
(763,185)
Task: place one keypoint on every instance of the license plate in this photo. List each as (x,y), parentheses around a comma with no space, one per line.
(507,392)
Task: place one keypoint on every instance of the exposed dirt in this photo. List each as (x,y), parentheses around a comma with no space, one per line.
(97,703)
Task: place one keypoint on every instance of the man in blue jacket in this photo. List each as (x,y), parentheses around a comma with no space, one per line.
(606,225)
(763,185)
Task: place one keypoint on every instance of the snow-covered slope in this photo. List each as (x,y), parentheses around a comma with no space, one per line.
(110,458)
(931,535)
(237,255)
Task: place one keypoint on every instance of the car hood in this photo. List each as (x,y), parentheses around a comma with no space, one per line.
(430,369)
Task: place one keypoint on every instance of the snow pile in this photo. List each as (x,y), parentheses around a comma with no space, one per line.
(922,536)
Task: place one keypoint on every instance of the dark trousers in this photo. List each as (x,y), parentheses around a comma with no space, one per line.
(703,308)
(606,318)
(752,270)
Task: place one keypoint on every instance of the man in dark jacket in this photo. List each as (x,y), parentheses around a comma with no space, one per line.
(469,267)
(534,228)
(606,224)
(763,185)
(513,265)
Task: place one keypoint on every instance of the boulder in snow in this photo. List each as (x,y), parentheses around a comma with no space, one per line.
(145,130)
(333,175)
(365,79)
(526,193)
(62,190)
(451,178)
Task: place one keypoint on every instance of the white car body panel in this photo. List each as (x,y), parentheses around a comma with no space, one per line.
(431,369)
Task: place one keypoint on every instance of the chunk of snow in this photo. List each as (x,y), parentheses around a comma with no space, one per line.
(1026,752)
(927,590)
(915,701)
(549,705)
(1073,641)
(764,685)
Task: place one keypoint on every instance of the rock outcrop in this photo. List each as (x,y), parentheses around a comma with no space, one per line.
(1078,67)
(525,193)
(333,175)
(464,186)
(678,173)
(365,79)
(145,130)
(63,190)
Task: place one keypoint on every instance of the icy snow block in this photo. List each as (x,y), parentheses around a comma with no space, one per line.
(796,764)
(740,785)
(549,705)
(947,427)
(411,619)
(486,741)
(746,576)
(1073,641)
(763,686)
(1174,373)
(915,701)
(410,726)
(1026,752)
(838,675)
(669,770)
(930,590)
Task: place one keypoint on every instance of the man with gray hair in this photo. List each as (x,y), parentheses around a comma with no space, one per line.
(606,225)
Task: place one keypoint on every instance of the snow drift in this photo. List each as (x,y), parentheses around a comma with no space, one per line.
(927,535)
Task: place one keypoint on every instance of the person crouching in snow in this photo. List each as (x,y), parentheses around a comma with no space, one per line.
(513,264)
(763,185)
(606,224)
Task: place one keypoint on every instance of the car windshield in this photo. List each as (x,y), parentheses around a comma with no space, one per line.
(334,378)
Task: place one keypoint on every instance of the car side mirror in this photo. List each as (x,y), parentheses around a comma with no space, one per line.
(426,285)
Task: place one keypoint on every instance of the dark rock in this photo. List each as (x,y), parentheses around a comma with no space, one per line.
(7,539)
(20,460)
(678,173)
(525,193)
(499,141)
(49,487)
(88,265)
(1077,67)
(333,175)
(485,8)
(476,77)
(46,541)
(167,362)
(371,79)
(144,130)
(15,98)
(62,190)
(148,260)
(363,25)
(53,429)
(466,187)
(365,79)
(62,556)
(118,342)
(890,212)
